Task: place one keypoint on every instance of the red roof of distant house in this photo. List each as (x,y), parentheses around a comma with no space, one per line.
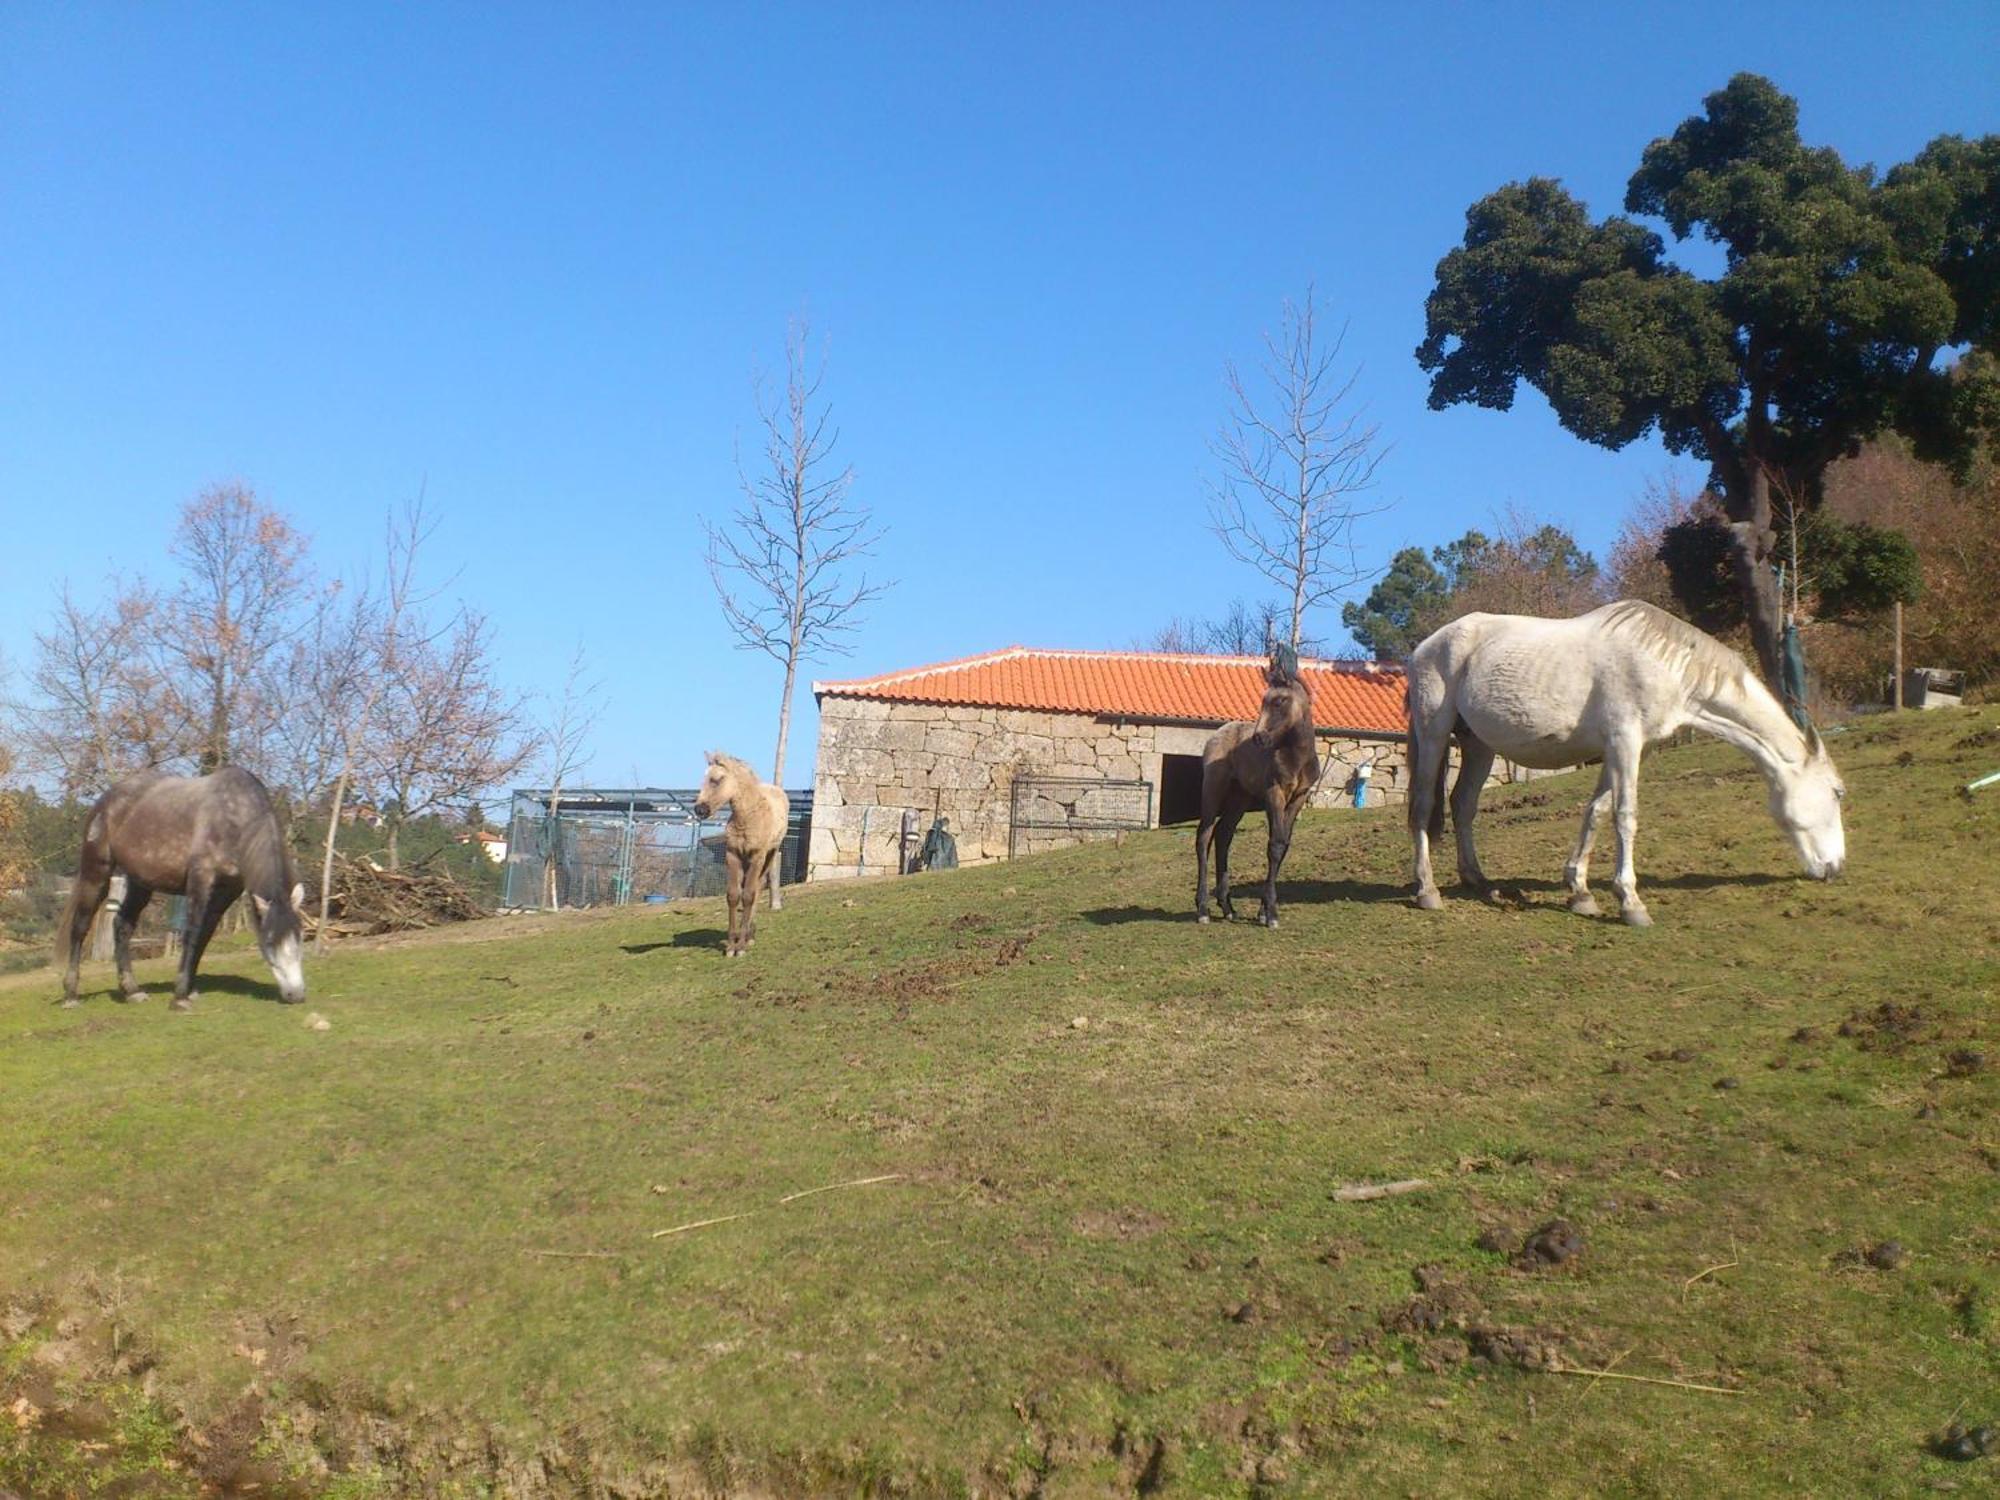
(1364,696)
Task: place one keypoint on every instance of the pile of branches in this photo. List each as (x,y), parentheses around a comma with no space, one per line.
(366,900)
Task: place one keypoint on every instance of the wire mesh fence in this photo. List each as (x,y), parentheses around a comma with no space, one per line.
(1045,812)
(611,847)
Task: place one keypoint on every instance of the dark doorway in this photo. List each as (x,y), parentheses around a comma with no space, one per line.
(1180,788)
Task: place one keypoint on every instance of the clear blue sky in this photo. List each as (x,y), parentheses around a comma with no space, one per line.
(531,257)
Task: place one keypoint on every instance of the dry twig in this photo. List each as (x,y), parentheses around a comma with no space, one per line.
(1710,1271)
(791,1197)
(833,1186)
(700,1224)
(578,1254)
(1682,1385)
(1362,1192)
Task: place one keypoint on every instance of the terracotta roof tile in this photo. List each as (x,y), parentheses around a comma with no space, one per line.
(1363,696)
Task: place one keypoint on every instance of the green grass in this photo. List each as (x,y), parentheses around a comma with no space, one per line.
(1112,1259)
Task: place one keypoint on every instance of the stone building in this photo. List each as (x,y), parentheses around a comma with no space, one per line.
(1020,748)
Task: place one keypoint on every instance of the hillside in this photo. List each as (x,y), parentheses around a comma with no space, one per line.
(417,1250)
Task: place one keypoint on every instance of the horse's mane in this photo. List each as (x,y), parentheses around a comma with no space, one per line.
(266,861)
(735,765)
(1710,666)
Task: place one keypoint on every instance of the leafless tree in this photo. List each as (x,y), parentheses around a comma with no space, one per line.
(563,736)
(780,565)
(1634,567)
(1244,630)
(230,620)
(100,706)
(13,853)
(442,730)
(1296,453)
(353,648)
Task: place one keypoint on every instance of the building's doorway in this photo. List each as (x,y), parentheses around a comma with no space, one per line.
(1180,788)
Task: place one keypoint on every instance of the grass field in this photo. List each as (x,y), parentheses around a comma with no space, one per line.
(416,1252)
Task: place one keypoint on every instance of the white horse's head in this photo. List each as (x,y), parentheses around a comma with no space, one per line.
(1806,803)
(278,940)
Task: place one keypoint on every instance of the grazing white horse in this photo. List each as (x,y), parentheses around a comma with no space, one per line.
(1553,693)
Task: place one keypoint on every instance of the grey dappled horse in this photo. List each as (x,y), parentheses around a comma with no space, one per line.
(210,838)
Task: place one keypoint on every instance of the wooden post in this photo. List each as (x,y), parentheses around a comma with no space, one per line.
(1896,698)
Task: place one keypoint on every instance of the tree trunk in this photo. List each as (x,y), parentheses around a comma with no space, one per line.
(395,835)
(1752,544)
(552,851)
(326,861)
(778,775)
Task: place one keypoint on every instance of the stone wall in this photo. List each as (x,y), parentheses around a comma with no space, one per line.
(876,759)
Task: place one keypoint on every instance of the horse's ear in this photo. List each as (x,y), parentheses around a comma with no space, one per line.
(1815,746)
(262,906)
(713,756)
(298,895)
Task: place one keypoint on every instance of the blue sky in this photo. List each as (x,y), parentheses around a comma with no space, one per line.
(530,258)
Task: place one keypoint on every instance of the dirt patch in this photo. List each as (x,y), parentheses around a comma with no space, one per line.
(1117,1224)
(929,979)
(1556,1243)
(1889,1027)
(1964,1062)
(1449,1325)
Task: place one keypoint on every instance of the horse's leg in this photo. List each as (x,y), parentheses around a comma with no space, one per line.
(732,892)
(136,897)
(1278,839)
(1577,874)
(1204,837)
(1432,746)
(208,898)
(765,868)
(1225,835)
(1475,764)
(1621,764)
(93,883)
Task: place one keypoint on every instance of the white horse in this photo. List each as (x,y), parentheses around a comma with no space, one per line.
(1553,693)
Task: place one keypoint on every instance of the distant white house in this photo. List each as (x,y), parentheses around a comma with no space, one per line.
(492,845)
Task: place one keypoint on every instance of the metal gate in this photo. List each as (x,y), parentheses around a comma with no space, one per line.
(1046,812)
(610,847)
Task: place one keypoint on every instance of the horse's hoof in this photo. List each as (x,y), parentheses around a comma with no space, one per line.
(1271,922)
(1584,905)
(1637,916)
(1429,901)
(70,1002)
(135,997)
(1200,916)
(182,1004)
(1491,896)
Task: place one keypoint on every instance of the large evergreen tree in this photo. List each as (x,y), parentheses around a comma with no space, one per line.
(1840,300)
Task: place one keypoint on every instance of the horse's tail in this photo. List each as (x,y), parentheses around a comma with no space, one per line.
(1412,717)
(1414,759)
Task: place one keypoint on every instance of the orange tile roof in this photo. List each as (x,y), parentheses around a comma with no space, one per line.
(1361,696)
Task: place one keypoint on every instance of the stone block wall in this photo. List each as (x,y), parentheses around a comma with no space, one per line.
(876,759)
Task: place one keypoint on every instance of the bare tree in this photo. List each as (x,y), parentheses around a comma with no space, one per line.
(1243,630)
(780,565)
(14,859)
(442,730)
(100,706)
(355,646)
(563,736)
(231,618)
(1295,454)
(1634,567)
